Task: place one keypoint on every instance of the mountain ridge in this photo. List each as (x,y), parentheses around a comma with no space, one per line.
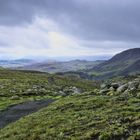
(121,64)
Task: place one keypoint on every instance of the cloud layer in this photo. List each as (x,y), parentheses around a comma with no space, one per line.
(54,28)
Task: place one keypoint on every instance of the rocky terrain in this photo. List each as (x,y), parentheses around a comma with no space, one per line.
(123,88)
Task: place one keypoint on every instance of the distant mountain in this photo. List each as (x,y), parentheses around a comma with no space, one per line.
(55,67)
(124,63)
(15,63)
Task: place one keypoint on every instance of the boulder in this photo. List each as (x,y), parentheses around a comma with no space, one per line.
(104,91)
(111,89)
(16,97)
(62,93)
(133,85)
(115,85)
(122,88)
(138,95)
(105,86)
(139,87)
(110,93)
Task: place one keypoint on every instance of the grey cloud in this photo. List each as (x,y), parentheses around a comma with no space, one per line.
(3,44)
(87,19)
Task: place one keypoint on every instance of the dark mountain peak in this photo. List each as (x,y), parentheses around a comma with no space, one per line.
(126,55)
(124,63)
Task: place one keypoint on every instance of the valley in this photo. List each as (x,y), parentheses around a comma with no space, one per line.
(36,105)
(69,70)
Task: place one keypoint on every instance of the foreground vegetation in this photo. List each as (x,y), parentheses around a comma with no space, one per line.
(80,117)
(82,109)
(21,86)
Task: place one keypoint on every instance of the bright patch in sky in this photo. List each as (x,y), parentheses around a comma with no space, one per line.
(44,38)
(68,28)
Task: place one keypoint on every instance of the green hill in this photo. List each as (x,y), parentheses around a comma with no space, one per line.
(124,63)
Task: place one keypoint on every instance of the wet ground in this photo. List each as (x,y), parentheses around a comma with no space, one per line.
(15,112)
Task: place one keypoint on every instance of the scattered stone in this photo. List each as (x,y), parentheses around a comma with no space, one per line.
(2,94)
(115,85)
(139,87)
(138,95)
(110,93)
(111,89)
(104,86)
(122,88)
(16,97)
(62,93)
(133,85)
(104,91)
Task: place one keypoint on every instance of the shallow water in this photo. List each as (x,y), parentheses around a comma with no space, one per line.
(15,112)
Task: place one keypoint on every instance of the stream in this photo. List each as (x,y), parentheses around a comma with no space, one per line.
(15,112)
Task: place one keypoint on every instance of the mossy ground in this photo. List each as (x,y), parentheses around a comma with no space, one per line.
(33,85)
(74,117)
(80,117)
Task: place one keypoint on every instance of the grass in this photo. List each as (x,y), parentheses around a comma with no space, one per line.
(80,117)
(84,116)
(33,85)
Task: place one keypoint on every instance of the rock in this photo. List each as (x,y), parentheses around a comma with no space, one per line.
(16,97)
(133,85)
(137,80)
(104,86)
(122,88)
(126,92)
(138,95)
(115,85)
(2,94)
(76,90)
(104,91)
(110,93)
(111,89)
(125,95)
(139,87)
(62,93)
(29,90)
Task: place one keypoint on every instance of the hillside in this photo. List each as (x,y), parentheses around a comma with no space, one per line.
(124,63)
(108,112)
(55,67)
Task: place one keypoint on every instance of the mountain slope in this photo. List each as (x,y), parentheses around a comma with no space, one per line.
(124,63)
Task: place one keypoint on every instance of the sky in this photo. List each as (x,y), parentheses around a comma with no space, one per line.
(68,29)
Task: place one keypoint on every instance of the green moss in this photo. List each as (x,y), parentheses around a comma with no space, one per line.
(82,116)
(78,117)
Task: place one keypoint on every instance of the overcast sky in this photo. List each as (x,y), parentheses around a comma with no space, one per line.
(68,28)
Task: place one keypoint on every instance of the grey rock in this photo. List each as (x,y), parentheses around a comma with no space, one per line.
(62,93)
(112,89)
(133,84)
(138,95)
(16,97)
(139,87)
(104,91)
(115,85)
(122,88)
(105,85)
